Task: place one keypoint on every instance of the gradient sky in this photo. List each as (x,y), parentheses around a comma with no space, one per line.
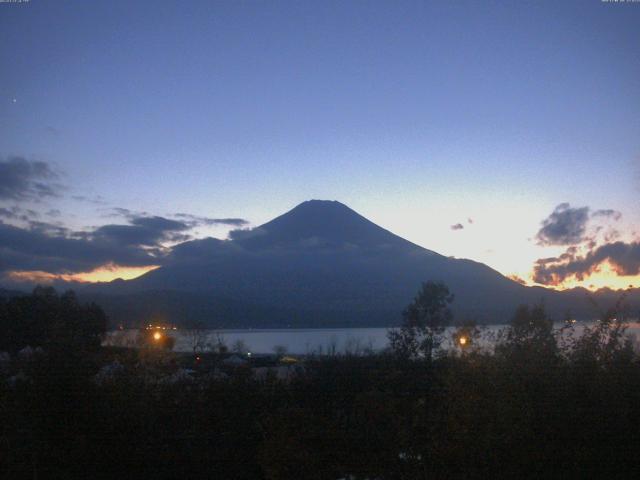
(418,115)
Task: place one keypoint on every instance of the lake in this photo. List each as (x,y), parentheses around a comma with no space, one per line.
(300,341)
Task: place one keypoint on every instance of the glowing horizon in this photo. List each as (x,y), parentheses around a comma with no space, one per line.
(603,276)
(105,273)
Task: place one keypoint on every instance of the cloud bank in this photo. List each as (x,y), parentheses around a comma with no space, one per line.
(194,220)
(565,226)
(42,246)
(31,249)
(591,241)
(623,257)
(22,179)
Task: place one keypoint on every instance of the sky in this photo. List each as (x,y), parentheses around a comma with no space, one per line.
(504,132)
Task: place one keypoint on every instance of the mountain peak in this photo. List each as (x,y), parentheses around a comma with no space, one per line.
(316,203)
(323,223)
(321,207)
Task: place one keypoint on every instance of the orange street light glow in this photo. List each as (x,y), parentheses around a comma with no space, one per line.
(462,341)
(157,336)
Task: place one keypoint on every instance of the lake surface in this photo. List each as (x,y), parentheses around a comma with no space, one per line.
(302,341)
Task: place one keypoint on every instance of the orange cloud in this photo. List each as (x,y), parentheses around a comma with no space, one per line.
(517,278)
(604,275)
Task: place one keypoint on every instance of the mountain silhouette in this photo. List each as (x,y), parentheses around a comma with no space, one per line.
(320,264)
(322,224)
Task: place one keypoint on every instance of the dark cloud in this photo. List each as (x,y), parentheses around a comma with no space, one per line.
(608,213)
(457,226)
(53,248)
(184,221)
(126,235)
(245,233)
(96,200)
(8,213)
(194,220)
(159,224)
(565,226)
(201,250)
(119,212)
(623,257)
(47,228)
(140,241)
(46,250)
(569,226)
(29,243)
(143,231)
(470,220)
(232,221)
(16,213)
(22,179)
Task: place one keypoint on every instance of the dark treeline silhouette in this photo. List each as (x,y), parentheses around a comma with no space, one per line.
(48,320)
(540,403)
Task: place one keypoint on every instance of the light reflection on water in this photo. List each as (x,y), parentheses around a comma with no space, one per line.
(312,340)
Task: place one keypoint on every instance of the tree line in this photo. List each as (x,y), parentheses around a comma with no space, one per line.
(542,402)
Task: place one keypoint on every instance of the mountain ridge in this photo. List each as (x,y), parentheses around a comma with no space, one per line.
(319,264)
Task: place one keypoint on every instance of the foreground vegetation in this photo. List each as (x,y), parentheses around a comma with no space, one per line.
(538,404)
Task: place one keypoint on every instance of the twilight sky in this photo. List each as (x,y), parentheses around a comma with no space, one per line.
(505,132)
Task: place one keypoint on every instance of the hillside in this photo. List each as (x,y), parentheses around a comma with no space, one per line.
(320,264)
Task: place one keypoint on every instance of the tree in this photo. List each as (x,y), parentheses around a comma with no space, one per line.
(424,321)
(606,340)
(49,320)
(196,335)
(220,346)
(240,347)
(280,350)
(529,339)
